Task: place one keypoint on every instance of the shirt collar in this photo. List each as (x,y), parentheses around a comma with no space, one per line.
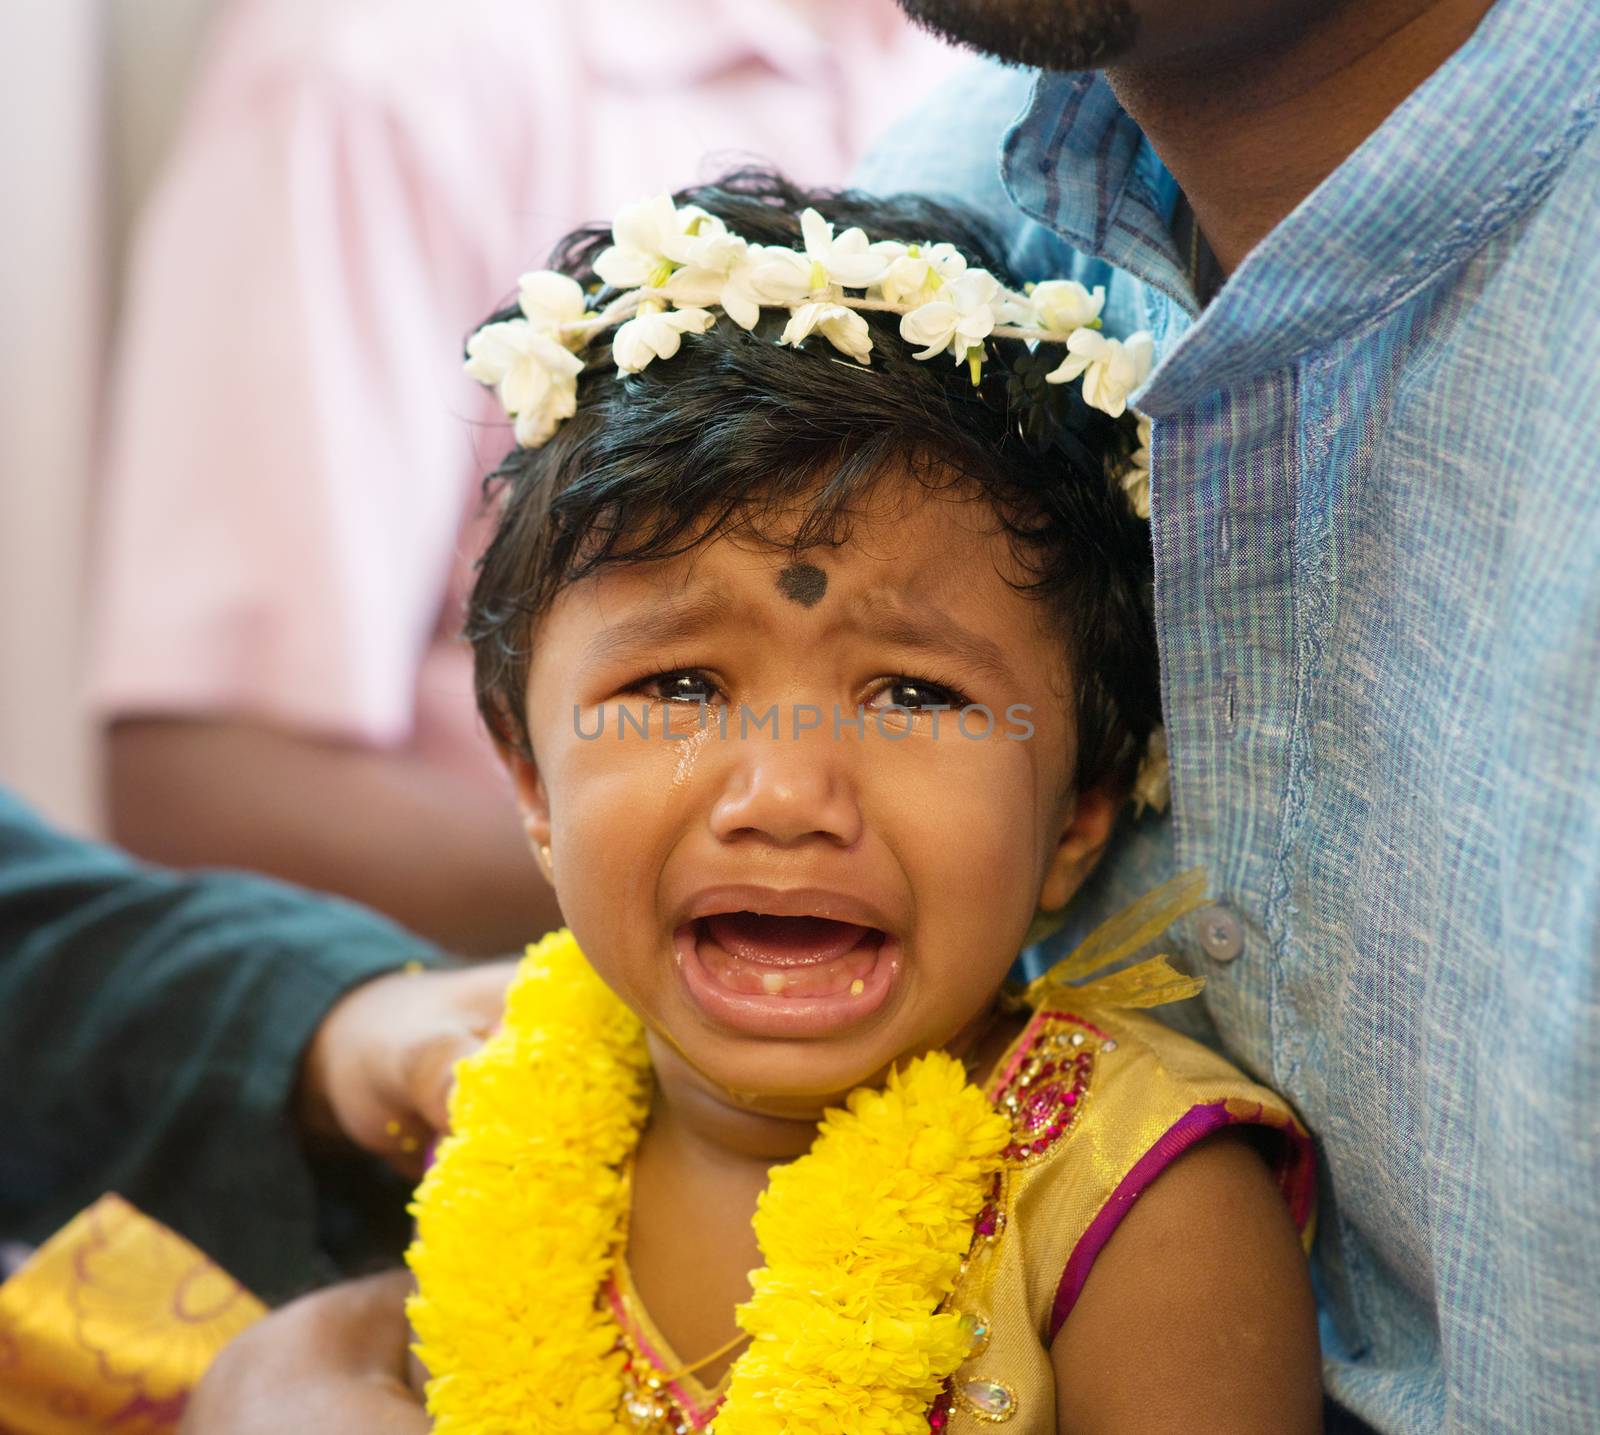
(1079,165)
(1468,152)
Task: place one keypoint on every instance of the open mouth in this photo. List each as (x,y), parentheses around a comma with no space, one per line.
(757,954)
(793,976)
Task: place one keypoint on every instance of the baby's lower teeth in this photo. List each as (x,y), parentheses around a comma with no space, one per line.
(857,987)
(773,982)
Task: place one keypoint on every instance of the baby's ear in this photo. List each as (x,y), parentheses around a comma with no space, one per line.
(532,799)
(1085,832)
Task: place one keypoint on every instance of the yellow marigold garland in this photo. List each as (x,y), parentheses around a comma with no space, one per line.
(519,1219)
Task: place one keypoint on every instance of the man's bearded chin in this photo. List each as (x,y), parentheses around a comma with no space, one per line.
(1039,34)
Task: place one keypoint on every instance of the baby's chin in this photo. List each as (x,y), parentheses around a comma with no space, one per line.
(797,1086)
(784,1079)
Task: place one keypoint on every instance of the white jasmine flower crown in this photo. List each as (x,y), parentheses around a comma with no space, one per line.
(675,266)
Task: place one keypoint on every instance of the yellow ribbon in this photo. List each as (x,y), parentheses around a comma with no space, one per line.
(1154,982)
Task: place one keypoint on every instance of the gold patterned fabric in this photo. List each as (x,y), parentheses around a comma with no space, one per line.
(110,1324)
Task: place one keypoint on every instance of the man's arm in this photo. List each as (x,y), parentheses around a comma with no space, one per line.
(391,829)
(155,1032)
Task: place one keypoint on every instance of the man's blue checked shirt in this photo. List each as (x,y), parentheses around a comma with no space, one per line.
(1376,516)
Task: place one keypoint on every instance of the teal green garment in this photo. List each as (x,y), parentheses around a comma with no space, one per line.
(151,1030)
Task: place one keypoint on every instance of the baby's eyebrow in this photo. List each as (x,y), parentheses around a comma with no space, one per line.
(930,629)
(642,633)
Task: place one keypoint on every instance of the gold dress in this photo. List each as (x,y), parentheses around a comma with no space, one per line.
(1101,1102)
(1101,1099)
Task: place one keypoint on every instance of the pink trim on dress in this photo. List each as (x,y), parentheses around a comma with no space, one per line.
(699,1416)
(1295,1179)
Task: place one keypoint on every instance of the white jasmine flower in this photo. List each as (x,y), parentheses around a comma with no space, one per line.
(744,278)
(713,258)
(655,333)
(537,379)
(696,227)
(1111,368)
(768,275)
(1011,307)
(1152,788)
(850,260)
(960,321)
(845,329)
(652,238)
(711,250)
(1062,305)
(920,271)
(550,300)
(639,236)
(1136,477)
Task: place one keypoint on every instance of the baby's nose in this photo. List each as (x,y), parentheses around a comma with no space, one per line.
(788,785)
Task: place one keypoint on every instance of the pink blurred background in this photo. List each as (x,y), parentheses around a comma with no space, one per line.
(100,96)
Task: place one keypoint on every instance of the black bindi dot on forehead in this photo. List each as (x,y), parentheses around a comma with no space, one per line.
(803,583)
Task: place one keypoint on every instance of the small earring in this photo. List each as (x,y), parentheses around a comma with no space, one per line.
(544,858)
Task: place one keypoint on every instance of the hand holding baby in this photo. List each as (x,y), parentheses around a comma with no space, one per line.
(377,1072)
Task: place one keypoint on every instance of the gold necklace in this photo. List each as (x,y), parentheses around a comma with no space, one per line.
(653,1402)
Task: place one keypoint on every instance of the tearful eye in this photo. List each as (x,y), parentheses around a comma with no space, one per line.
(918,693)
(679,687)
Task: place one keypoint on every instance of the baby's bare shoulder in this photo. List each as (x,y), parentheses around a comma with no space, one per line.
(1198,1314)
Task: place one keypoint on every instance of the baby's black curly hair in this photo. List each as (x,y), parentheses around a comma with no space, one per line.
(737,433)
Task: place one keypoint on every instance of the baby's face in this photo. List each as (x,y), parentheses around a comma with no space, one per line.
(795,905)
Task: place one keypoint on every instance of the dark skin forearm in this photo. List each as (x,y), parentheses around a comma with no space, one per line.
(390,830)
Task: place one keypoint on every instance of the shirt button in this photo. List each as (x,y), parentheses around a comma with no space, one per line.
(1220,934)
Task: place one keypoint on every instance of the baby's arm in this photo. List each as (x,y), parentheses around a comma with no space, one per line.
(1198,1314)
(329,1364)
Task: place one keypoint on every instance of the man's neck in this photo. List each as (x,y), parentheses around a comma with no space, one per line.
(1249,135)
